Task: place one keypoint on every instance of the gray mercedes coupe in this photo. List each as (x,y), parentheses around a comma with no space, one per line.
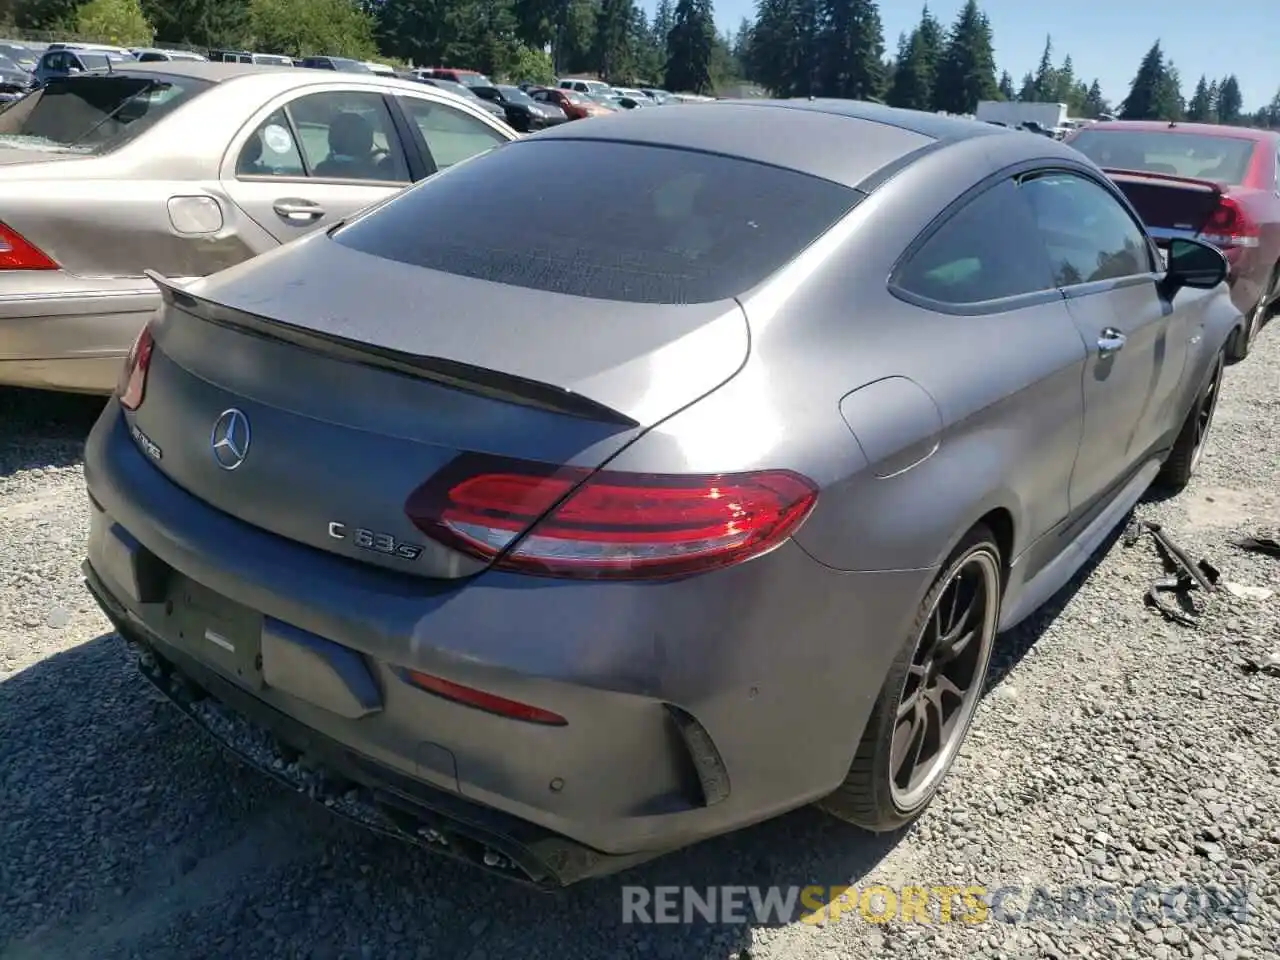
(571,526)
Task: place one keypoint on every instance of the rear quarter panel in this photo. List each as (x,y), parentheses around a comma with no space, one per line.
(119,227)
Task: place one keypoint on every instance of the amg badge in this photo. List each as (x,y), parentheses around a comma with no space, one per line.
(383,543)
(146,443)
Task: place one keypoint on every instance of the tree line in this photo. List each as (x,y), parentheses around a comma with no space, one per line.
(793,48)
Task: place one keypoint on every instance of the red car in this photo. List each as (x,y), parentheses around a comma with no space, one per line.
(1218,183)
(577,106)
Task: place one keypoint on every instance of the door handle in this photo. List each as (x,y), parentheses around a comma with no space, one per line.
(1110,342)
(298,211)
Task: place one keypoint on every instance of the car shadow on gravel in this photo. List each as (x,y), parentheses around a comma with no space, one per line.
(43,429)
(126,826)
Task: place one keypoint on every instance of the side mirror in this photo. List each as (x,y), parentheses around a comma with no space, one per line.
(1195,264)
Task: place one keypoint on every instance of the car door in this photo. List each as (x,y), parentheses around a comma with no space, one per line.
(315,159)
(55,64)
(448,135)
(983,273)
(1106,266)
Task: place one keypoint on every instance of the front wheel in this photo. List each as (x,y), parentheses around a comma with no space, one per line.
(1184,458)
(924,709)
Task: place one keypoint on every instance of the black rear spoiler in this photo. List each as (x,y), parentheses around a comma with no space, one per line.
(450,373)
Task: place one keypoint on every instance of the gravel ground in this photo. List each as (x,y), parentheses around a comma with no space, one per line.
(1115,750)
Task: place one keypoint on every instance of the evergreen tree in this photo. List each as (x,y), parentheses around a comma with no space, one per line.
(852,45)
(967,72)
(1006,87)
(775,47)
(663,20)
(1170,104)
(689,47)
(1144,99)
(1095,103)
(1027,90)
(1230,103)
(1200,107)
(1064,90)
(613,49)
(916,72)
(1046,77)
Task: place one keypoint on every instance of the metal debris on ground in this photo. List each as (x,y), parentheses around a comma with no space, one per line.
(1264,545)
(1187,577)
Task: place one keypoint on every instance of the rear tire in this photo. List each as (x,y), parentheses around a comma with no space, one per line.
(924,708)
(1184,459)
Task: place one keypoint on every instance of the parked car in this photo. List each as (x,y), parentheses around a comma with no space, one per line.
(659,97)
(461,90)
(575,505)
(576,106)
(595,87)
(187,168)
(158,55)
(341,64)
(631,93)
(468,78)
(522,111)
(63,61)
(15,82)
(244,56)
(609,103)
(1218,183)
(20,53)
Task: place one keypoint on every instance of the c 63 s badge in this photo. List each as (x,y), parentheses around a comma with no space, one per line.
(383,543)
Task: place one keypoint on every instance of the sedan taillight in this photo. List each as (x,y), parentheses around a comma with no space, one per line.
(132,388)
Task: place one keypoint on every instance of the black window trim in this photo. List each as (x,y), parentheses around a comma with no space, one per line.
(1015,172)
(259,118)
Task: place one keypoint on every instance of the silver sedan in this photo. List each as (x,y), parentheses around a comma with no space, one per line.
(187,168)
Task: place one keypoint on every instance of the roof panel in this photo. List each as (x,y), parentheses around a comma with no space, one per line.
(842,148)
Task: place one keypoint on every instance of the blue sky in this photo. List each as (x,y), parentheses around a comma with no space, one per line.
(1107,38)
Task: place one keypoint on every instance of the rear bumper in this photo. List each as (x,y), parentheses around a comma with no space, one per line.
(385,800)
(71,334)
(694,707)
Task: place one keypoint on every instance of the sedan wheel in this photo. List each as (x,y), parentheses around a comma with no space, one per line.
(1188,449)
(928,700)
(1203,416)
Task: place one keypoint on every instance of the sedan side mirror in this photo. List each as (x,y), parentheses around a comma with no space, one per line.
(1195,264)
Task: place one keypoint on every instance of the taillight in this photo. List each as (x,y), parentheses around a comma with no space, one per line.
(607,525)
(19,253)
(132,388)
(1231,226)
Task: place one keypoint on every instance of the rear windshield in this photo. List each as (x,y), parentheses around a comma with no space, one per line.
(1221,159)
(636,223)
(92,114)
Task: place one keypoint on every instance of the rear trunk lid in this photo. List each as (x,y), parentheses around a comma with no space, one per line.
(355,379)
(1169,205)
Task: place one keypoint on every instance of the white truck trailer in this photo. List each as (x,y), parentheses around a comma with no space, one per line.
(1014,113)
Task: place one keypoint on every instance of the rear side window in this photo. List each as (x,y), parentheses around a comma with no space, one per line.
(92,114)
(987,250)
(1198,155)
(633,223)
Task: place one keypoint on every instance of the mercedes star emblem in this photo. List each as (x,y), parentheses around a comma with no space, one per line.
(230,439)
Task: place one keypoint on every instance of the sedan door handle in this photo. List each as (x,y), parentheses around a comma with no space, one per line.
(298,211)
(1110,342)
